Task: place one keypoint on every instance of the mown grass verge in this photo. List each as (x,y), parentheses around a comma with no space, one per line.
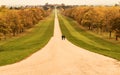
(16,49)
(83,39)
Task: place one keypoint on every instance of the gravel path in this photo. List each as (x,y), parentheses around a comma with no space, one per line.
(60,57)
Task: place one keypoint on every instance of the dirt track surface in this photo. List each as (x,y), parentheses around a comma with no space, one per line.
(60,57)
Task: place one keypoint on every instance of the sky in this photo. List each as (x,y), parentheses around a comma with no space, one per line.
(66,2)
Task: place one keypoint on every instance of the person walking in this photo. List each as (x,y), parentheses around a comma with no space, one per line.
(63,37)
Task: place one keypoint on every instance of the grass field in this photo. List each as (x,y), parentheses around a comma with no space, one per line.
(88,41)
(18,48)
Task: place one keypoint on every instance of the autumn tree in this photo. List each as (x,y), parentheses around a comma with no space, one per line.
(115,23)
(96,18)
(16,21)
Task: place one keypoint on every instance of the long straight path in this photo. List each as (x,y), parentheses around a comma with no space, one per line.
(60,57)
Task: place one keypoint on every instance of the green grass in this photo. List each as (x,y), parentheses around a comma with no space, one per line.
(88,41)
(18,48)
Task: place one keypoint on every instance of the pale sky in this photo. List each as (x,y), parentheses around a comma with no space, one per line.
(67,2)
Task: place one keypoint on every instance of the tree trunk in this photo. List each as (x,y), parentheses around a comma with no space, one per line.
(13,31)
(101,30)
(89,27)
(116,37)
(110,33)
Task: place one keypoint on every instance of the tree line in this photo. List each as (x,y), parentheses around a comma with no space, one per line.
(97,18)
(16,21)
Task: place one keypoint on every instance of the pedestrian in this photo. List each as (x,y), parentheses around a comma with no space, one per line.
(63,37)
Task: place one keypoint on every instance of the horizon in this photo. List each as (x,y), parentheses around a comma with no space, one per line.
(67,2)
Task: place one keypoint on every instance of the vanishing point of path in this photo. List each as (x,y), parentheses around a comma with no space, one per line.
(60,57)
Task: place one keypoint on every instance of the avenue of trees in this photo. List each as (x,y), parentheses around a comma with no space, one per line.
(100,19)
(14,21)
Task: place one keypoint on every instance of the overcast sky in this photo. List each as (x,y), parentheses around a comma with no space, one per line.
(67,2)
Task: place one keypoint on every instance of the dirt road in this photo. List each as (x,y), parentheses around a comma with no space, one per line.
(60,57)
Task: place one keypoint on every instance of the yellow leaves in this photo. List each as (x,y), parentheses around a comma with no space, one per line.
(105,18)
(16,21)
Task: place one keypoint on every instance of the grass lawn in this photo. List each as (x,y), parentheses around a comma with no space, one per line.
(88,41)
(18,48)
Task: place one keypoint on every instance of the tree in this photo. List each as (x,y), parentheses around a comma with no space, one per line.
(115,22)
(88,18)
(16,20)
(96,18)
